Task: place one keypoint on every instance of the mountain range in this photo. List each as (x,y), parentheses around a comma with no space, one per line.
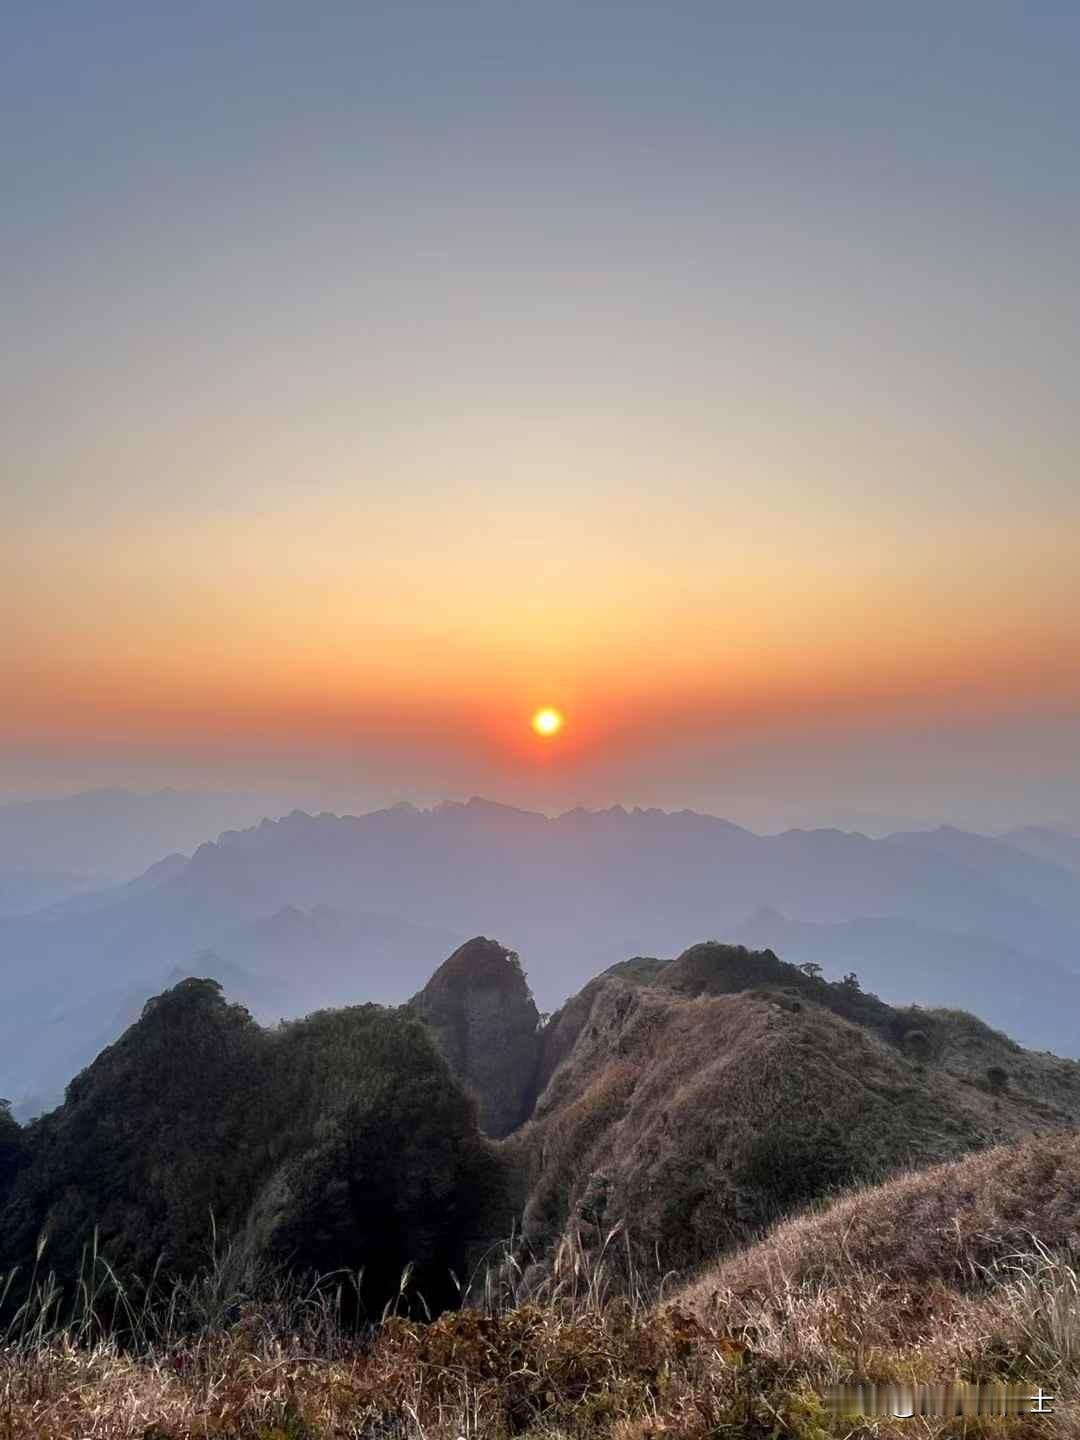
(317,910)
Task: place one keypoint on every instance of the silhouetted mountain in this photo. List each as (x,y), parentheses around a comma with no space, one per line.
(1042,880)
(326,909)
(24,890)
(1047,843)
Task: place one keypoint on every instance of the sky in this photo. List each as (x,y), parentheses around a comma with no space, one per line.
(376,374)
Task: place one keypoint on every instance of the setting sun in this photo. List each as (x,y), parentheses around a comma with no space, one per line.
(547,722)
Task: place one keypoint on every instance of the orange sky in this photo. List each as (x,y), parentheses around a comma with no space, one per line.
(350,419)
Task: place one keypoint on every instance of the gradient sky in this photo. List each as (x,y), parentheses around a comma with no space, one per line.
(373,374)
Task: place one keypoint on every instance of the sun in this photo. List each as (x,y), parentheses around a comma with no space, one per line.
(547,722)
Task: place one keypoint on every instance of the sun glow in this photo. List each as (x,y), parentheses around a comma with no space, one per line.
(547,722)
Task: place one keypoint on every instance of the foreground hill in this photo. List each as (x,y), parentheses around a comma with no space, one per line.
(956,1272)
(946,1224)
(320,909)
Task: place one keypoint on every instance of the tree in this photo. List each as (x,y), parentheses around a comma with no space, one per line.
(851,981)
(12,1146)
(812,970)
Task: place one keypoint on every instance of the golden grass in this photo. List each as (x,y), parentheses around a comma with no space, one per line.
(965,1271)
(944,1224)
(592,1361)
(657,1105)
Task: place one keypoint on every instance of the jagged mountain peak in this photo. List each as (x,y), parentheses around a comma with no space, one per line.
(481,1011)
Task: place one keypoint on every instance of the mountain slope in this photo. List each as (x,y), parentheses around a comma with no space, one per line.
(692,1101)
(1046,843)
(114,834)
(696,1101)
(937,1224)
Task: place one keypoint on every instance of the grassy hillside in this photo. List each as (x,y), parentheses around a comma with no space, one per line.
(694,1101)
(698,1101)
(882,1285)
(946,1224)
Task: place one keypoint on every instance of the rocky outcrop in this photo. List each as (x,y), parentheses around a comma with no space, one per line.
(481,1012)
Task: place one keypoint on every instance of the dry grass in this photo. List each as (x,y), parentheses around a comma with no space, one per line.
(966,1271)
(945,1224)
(592,1358)
(655,1111)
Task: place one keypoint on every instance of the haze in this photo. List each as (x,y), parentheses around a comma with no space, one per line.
(375,375)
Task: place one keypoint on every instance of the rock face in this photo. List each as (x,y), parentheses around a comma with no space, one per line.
(479,1008)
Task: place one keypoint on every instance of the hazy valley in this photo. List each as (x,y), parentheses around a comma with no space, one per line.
(310,911)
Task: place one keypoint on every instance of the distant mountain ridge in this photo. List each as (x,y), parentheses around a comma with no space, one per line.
(323,909)
(1047,843)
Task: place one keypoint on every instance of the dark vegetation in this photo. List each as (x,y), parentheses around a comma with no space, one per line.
(793,1162)
(940,1273)
(12,1149)
(716,969)
(337,1142)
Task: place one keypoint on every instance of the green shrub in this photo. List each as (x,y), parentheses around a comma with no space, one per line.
(788,1165)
